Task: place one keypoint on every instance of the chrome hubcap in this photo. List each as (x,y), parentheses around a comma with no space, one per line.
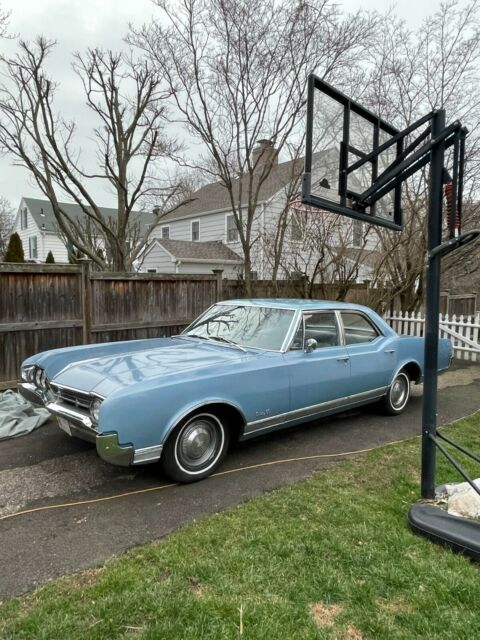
(198,442)
(399,391)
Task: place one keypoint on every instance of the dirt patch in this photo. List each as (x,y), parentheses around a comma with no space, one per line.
(324,614)
(197,589)
(352,633)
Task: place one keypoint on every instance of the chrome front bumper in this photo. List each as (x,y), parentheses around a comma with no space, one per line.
(81,426)
(31,393)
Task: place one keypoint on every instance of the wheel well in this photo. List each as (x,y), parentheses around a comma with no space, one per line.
(413,371)
(231,415)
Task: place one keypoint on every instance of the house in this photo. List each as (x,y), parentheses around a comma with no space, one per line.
(38,229)
(182,256)
(207,218)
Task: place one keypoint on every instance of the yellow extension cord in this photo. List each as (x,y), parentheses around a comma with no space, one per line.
(214,475)
(167,486)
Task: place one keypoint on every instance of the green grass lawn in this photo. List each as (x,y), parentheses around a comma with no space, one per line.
(331,557)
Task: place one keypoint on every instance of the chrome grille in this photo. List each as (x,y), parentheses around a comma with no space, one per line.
(72,397)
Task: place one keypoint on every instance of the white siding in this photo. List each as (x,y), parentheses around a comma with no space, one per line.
(212,227)
(157,258)
(229,271)
(29,232)
(45,241)
(53,243)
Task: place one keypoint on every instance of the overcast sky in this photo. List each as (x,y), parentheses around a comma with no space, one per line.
(78,24)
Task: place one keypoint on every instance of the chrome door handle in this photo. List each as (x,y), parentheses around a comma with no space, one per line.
(390,351)
(344,359)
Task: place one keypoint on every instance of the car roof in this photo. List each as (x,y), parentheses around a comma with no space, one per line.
(295,303)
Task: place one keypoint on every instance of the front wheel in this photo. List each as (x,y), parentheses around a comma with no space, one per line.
(195,448)
(398,394)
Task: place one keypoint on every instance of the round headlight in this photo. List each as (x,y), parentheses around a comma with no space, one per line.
(95,409)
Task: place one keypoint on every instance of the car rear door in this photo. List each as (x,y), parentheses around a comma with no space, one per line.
(320,377)
(372,356)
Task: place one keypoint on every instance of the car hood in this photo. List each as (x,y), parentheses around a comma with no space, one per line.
(108,373)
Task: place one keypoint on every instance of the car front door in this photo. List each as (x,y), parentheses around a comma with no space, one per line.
(319,372)
(372,358)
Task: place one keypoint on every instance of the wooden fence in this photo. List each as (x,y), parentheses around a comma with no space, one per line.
(357,293)
(48,306)
(462,331)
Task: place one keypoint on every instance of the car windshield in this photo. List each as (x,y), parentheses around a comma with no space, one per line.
(247,326)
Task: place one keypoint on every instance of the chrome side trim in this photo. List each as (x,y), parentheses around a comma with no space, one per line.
(109,449)
(148,454)
(306,412)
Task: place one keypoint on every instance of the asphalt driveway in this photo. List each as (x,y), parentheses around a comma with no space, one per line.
(48,468)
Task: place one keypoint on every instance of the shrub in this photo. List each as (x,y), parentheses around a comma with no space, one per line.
(50,259)
(14,252)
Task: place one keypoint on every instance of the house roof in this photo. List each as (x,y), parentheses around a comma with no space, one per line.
(42,213)
(215,196)
(214,251)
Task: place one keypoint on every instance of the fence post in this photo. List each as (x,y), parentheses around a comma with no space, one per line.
(218,273)
(86,301)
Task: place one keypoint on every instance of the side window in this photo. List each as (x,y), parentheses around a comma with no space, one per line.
(322,326)
(358,329)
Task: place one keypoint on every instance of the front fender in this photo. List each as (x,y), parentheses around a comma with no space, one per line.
(146,420)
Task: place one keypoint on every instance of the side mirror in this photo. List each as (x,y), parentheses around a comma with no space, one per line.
(310,345)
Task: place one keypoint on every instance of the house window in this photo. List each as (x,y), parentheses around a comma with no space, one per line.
(232,231)
(24,219)
(151,271)
(295,227)
(195,230)
(32,248)
(357,233)
(165,233)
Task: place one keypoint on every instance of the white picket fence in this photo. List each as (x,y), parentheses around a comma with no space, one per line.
(462,331)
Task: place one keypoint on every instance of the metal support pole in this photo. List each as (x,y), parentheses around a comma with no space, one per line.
(429,414)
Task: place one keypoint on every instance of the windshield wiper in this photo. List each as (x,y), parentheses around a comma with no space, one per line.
(227,341)
(218,338)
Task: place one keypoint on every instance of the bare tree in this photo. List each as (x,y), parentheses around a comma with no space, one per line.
(127,97)
(6,222)
(413,73)
(319,248)
(237,71)
(4,22)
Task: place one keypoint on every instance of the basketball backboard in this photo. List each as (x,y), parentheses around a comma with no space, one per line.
(341,158)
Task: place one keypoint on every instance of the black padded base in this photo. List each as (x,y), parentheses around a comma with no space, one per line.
(460,534)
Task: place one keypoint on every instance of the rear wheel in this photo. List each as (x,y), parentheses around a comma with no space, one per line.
(195,448)
(398,394)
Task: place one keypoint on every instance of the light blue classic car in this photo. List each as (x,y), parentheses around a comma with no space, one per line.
(243,368)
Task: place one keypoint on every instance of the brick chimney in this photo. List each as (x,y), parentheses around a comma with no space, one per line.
(264,153)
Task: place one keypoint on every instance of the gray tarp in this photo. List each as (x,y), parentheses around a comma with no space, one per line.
(17,416)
